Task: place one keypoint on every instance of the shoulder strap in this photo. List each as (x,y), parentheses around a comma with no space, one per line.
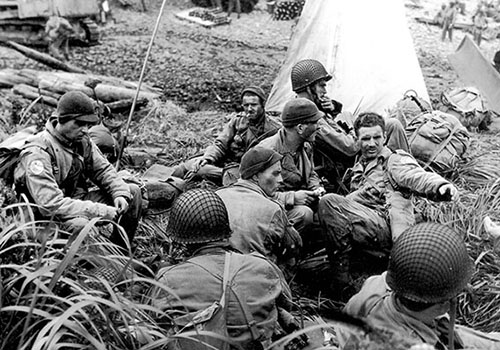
(225,280)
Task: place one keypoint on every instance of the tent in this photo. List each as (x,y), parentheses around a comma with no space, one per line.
(364,44)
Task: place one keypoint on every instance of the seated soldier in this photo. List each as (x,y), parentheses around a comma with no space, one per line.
(255,286)
(243,130)
(379,207)
(429,266)
(259,223)
(58,31)
(301,186)
(54,172)
(335,145)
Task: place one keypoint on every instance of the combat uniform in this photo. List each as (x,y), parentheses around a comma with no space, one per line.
(58,30)
(379,207)
(54,176)
(376,302)
(230,145)
(257,287)
(258,222)
(298,174)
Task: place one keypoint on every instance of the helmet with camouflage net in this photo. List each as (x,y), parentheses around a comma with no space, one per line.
(307,72)
(198,216)
(429,264)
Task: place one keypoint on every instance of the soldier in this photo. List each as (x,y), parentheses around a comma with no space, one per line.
(335,144)
(379,207)
(259,223)
(54,173)
(243,130)
(449,18)
(301,185)
(252,287)
(58,31)
(480,24)
(428,267)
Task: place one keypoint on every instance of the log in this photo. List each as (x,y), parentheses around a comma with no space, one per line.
(126,104)
(44,58)
(32,93)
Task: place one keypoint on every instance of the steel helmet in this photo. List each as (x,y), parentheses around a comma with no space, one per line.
(307,72)
(429,264)
(198,216)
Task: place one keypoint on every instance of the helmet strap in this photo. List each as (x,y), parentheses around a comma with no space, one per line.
(451,326)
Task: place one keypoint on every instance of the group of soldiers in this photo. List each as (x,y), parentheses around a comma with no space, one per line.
(282,177)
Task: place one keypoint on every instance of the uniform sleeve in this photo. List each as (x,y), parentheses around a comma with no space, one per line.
(408,174)
(332,137)
(217,151)
(45,192)
(105,176)
(284,238)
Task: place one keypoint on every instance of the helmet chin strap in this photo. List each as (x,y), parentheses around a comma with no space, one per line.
(451,327)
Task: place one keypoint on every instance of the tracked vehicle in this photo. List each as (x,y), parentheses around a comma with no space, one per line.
(23,21)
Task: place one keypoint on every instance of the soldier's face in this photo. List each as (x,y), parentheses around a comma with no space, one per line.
(307,131)
(74,130)
(371,141)
(251,105)
(270,179)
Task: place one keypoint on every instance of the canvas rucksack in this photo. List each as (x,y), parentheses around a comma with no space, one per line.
(10,150)
(409,107)
(467,105)
(437,140)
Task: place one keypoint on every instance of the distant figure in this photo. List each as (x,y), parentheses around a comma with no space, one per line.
(231,4)
(450,16)
(439,18)
(480,24)
(58,31)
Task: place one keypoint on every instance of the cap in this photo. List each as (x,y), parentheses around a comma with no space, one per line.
(257,159)
(300,111)
(256,91)
(75,105)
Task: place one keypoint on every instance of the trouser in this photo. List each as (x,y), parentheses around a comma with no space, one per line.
(232,4)
(396,135)
(345,222)
(128,220)
(447,28)
(219,175)
(301,217)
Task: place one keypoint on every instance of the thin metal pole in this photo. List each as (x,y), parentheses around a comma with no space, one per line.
(134,102)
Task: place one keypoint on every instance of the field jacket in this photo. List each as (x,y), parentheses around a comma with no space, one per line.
(376,302)
(237,136)
(197,284)
(387,183)
(258,222)
(43,173)
(297,168)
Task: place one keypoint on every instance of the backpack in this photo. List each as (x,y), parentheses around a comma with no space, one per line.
(409,107)
(10,150)
(467,105)
(437,140)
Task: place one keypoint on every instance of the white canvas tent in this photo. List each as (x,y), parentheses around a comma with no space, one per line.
(364,44)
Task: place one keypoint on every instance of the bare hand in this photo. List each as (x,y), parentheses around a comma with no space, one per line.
(303,197)
(449,191)
(121,205)
(326,103)
(199,163)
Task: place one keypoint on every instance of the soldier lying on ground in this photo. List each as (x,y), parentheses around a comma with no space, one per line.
(428,267)
(255,286)
(239,133)
(54,173)
(301,185)
(379,207)
(259,223)
(335,145)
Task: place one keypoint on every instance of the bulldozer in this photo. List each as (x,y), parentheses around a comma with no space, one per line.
(23,21)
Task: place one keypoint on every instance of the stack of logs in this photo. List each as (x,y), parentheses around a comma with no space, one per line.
(116,93)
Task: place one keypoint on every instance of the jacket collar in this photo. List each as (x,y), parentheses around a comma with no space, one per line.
(381,158)
(251,186)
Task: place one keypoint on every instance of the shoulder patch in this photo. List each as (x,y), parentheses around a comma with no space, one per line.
(36,167)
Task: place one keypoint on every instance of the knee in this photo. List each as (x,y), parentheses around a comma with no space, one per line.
(136,199)
(393,125)
(330,202)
